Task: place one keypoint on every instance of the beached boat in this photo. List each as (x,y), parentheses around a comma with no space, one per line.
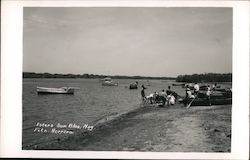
(205,102)
(216,98)
(62,90)
(109,82)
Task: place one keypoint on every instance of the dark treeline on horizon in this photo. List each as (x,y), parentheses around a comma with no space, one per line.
(207,77)
(93,76)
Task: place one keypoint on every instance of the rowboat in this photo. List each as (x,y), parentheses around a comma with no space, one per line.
(205,101)
(178,84)
(133,86)
(109,82)
(62,90)
(215,99)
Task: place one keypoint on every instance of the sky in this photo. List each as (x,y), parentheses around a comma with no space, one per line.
(164,42)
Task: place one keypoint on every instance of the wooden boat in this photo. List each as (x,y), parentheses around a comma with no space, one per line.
(205,102)
(204,87)
(62,90)
(216,98)
(109,82)
(178,84)
(106,79)
(133,86)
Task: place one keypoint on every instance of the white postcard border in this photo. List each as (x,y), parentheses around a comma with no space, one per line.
(11,80)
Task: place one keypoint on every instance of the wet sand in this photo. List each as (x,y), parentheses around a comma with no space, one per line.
(149,128)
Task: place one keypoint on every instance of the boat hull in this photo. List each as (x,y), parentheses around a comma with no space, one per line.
(63,90)
(133,86)
(177,84)
(108,83)
(205,101)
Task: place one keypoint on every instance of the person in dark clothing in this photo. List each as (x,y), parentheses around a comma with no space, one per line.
(143,93)
(168,91)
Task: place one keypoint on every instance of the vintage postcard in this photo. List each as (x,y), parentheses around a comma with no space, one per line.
(151,80)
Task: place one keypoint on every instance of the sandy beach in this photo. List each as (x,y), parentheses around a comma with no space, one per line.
(154,129)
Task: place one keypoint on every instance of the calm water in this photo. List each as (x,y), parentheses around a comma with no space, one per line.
(90,103)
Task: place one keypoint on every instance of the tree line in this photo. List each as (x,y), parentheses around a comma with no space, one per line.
(207,77)
(86,75)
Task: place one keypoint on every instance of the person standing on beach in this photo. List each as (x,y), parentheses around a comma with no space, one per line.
(214,86)
(208,93)
(196,89)
(143,93)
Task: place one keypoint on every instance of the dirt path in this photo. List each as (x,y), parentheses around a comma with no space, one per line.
(173,129)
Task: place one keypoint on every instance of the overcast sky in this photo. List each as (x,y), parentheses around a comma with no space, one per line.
(128,41)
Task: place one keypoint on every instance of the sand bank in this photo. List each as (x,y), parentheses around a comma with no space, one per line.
(149,128)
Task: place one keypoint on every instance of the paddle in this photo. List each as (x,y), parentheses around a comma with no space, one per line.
(190,102)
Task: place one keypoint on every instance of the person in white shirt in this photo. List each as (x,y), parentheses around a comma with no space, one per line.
(196,89)
(172,100)
(208,93)
(163,93)
(189,93)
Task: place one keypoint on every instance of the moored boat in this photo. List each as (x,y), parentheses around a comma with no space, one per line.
(178,84)
(205,101)
(62,90)
(133,85)
(109,82)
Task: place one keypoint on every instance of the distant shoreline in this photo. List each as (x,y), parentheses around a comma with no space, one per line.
(199,78)
(88,76)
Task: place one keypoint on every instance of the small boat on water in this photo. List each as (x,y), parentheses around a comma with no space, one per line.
(62,90)
(109,82)
(133,85)
(106,79)
(178,84)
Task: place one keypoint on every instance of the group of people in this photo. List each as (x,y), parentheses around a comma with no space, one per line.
(169,97)
(196,91)
(164,97)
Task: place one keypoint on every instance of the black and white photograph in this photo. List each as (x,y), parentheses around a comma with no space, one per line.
(129,79)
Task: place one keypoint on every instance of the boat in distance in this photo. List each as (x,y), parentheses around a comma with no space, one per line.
(62,90)
(108,82)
